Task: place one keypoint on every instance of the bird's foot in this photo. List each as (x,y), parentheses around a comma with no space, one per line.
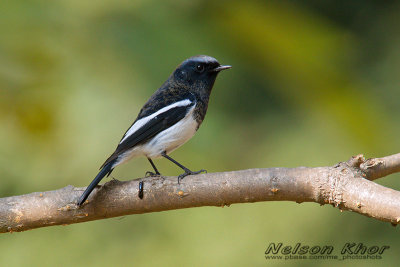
(113,178)
(189,172)
(151,174)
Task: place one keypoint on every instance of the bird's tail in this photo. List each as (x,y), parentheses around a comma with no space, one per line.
(105,170)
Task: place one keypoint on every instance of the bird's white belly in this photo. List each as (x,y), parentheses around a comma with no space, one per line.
(167,140)
(173,137)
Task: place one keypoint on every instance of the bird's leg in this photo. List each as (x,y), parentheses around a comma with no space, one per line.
(187,171)
(157,173)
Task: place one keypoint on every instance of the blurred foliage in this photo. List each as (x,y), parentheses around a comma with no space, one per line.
(313,82)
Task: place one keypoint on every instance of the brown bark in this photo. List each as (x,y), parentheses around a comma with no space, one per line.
(347,185)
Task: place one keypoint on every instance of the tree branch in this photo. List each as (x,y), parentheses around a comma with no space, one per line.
(347,185)
(379,167)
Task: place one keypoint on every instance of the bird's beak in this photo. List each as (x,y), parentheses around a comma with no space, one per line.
(222,67)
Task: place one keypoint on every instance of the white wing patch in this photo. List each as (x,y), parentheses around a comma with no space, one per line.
(139,123)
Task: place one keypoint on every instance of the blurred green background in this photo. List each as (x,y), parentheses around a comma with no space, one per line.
(312,83)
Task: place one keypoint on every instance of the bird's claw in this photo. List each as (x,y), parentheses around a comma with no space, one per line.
(189,172)
(114,179)
(151,174)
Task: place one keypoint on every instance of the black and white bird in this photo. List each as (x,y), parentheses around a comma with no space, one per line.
(169,118)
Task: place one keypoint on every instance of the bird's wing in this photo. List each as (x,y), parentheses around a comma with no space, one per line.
(145,128)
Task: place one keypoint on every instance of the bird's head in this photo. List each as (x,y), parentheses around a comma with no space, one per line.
(198,72)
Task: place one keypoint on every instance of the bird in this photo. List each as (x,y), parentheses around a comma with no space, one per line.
(170,117)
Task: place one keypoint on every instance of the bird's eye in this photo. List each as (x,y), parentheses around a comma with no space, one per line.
(200,68)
